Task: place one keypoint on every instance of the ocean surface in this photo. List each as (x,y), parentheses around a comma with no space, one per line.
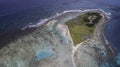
(16,14)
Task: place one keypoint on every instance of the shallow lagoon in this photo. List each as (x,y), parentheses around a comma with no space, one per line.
(43,54)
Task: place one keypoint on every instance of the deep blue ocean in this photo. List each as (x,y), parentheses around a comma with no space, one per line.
(15,14)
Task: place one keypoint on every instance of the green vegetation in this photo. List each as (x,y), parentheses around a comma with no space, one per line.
(82,27)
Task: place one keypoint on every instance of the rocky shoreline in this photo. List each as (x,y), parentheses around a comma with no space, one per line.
(96,45)
(52,46)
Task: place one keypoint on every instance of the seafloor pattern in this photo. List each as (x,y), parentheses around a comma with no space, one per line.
(51,46)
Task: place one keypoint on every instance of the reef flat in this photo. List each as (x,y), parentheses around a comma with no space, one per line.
(51,45)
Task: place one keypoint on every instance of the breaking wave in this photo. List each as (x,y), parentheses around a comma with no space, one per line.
(42,21)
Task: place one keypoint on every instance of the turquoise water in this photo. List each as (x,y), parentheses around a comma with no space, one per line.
(15,14)
(43,54)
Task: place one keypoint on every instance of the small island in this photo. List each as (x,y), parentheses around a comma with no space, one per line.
(72,39)
(82,27)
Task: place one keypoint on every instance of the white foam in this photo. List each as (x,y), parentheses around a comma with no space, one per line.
(42,21)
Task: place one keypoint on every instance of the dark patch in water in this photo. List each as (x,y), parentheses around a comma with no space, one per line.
(7,38)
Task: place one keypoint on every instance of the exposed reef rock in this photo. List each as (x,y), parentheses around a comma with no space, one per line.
(42,48)
(51,46)
(93,49)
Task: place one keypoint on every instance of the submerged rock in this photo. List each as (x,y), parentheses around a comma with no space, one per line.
(51,46)
(42,48)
